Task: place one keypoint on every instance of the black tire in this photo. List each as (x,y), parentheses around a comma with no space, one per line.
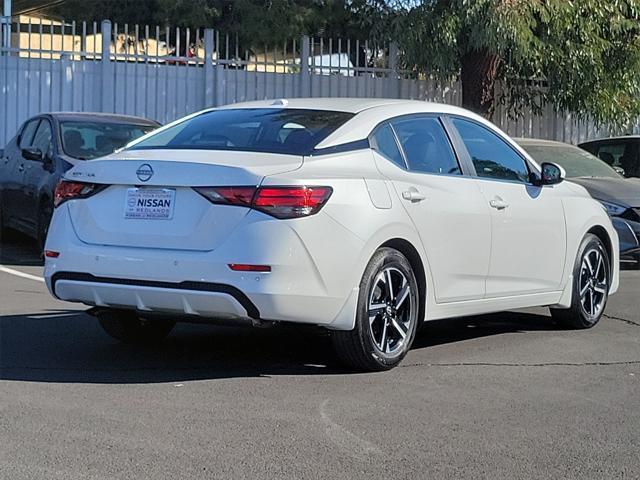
(595,285)
(360,348)
(128,327)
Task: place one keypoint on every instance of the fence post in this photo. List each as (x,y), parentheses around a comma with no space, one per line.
(66,79)
(393,81)
(305,77)
(208,67)
(5,26)
(108,97)
(220,84)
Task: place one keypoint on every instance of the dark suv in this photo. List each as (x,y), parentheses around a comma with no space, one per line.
(45,147)
(622,153)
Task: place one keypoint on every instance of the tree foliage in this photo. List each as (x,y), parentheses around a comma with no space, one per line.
(579,55)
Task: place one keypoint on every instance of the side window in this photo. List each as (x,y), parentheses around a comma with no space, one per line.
(623,155)
(386,144)
(42,138)
(492,157)
(426,146)
(611,153)
(26,136)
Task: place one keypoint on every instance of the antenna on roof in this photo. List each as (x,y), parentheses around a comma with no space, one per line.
(282,102)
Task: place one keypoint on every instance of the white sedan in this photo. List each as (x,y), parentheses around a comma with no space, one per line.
(367,217)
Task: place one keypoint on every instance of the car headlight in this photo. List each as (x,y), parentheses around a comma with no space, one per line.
(613,208)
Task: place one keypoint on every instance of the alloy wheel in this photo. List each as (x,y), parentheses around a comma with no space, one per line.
(390,314)
(594,283)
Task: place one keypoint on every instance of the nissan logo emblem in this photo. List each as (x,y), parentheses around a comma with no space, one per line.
(144,172)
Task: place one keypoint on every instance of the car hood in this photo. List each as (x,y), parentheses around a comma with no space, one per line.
(623,191)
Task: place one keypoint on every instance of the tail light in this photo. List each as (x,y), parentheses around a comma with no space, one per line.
(279,202)
(66,190)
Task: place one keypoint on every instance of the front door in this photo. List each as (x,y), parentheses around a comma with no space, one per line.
(35,174)
(528,226)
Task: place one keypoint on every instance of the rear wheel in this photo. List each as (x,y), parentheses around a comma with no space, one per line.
(591,282)
(128,327)
(387,315)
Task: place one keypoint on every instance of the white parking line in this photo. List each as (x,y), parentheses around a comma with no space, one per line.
(18,273)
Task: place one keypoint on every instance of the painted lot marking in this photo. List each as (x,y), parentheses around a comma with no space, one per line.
(18,273)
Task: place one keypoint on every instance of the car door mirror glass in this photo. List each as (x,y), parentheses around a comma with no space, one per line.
(552,173)
(32,153)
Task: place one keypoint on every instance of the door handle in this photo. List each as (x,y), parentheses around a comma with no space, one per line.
(21,168)
(498,203)
(413,195)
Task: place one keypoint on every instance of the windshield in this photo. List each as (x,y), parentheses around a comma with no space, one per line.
(575,161)
(272,130)
(89,140)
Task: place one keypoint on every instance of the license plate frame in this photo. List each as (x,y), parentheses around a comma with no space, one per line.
(149,203)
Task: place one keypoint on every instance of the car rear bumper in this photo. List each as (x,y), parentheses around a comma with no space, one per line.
(188,298)
(201,284)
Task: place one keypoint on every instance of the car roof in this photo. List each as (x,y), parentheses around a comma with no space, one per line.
(541,143)
(344,104)
(612,139)
(102,117)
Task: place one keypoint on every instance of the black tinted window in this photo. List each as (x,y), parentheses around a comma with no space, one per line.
(386,144)
(274,130)
(623,155)
(426,146)
(491,156)
(89,140)
(42,138)
(27,133)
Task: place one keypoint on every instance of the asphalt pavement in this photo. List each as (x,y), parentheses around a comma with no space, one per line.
(509,395)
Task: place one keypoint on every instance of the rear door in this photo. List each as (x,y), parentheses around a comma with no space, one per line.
(446,207)
(528,234)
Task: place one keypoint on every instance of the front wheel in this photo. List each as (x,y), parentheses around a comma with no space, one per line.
(128,327)
(591,282)
(387,315)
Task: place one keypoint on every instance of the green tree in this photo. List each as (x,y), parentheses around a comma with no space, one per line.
(579,55)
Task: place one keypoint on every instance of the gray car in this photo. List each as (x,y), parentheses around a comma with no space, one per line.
(620,196)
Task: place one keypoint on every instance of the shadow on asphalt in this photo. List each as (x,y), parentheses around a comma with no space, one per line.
(69,346)
(17,249)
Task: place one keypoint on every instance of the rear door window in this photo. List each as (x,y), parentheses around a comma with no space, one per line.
(426,146)
(386,145)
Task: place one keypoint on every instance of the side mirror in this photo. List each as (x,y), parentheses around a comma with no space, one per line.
(32,153)
(47,162)
(552,174)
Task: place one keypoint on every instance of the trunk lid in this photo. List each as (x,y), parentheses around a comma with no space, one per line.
(186,220)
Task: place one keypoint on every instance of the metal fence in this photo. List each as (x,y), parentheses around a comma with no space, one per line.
(166,73)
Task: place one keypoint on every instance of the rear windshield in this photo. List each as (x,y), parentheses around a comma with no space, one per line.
(272,130)
(89,140)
